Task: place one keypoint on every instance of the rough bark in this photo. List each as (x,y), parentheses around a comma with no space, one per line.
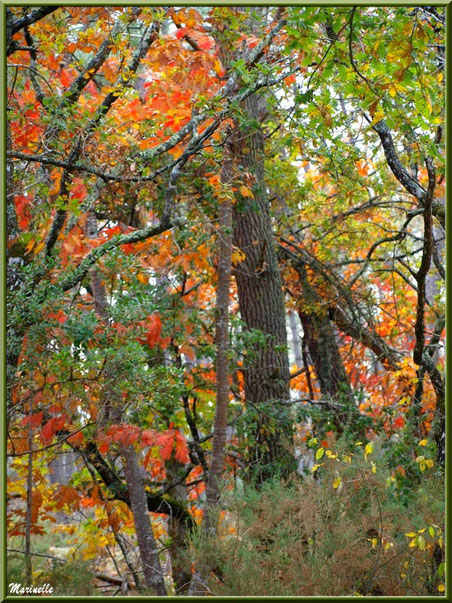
(321,341)
(261,302)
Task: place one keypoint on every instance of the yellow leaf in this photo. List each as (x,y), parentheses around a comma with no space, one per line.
(413,543)
(374,467)
(368,449)
(218,68)
(237,256)
(378,116)
(320,452)
(411,534)
(246,192)
(29,246)
(337,482)
(423,443)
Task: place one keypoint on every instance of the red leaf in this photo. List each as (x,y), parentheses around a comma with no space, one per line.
(165,442)
(78,189)
(47,431)
(65,78)
(22,203)
(205,43)
(399,422)
(104,447)
(34,420)
(181,449)
(59,422)
(148,438)
(180,33)
(55,409)
(59,316)
(52,426)
(124,434)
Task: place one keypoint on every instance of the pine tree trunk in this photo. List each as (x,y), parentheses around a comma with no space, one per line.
(261,302)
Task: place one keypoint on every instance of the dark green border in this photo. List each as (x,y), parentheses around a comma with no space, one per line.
(448,138)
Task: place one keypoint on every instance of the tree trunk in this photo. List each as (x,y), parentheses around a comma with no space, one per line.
(222,344)
(261,302)
(29,512)
(147,545)
(321,341)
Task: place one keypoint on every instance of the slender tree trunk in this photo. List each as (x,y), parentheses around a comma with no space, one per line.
(180,568)
(29,512)
(261,302)
(222,344)
(147,545)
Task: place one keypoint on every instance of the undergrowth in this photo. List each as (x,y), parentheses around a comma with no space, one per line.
(344,530)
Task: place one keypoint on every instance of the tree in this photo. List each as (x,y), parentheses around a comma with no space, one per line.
(181,182)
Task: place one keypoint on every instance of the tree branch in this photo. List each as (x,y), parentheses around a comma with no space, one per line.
(425,264)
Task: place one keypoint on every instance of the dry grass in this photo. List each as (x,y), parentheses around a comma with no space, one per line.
(305,538)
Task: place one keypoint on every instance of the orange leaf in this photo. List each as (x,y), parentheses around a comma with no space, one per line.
(246,192)
(76,439)
(36,502)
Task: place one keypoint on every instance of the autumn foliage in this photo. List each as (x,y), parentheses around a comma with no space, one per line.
(128,134)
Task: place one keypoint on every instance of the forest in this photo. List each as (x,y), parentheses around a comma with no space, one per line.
(225,301)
